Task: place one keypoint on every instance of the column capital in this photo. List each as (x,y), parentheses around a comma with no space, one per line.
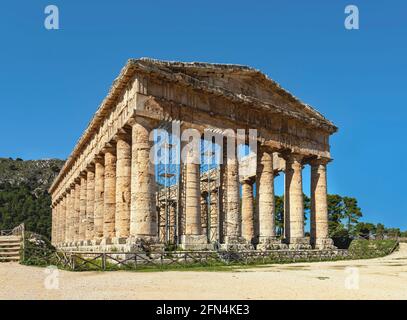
(109,147)
(99,158)
(319,161)
(122,134)
(293,157)
(90,166)
(147,123)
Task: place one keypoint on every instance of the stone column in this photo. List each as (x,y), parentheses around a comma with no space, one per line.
(143,214)
(319,206)
(294,203)
(53,224)
(109,194)
(57,234)
(193,237)
(72,213)
(233,214)
(67,216)
(248,211)
(123,182)
(77,206)
(90,203)
(265,198)
(99,197)
(82,207)
(193,200)
(63,217)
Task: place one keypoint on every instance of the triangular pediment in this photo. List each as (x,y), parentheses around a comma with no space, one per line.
(241,81)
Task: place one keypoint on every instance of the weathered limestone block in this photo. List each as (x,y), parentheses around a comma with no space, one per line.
(143,216)
(109,194)
(265,196)
(294,206)
(83,204)
(248,211)
(123,183)
(319,206)
(90,203)
(99,197)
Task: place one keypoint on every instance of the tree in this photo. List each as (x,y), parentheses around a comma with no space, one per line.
(279,203)
(364,230)
(351,211)
(335,214)
(380,231)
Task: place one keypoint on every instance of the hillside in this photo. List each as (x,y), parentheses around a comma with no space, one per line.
(23,193)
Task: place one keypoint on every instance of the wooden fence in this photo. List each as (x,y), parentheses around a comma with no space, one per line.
(81,260)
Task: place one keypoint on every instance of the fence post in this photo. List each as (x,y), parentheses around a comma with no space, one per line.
(103,261)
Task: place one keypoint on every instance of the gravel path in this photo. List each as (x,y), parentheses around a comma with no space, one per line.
(382,278)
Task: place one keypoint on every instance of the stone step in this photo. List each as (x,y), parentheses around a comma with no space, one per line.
(15,238)
(14,247)
(4,241)
(9,244)
(9,259)
(9,253)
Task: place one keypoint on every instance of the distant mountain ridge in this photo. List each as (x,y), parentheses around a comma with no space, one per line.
(24,193)
(37,174)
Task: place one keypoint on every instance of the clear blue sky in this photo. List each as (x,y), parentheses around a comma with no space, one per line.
(51,82)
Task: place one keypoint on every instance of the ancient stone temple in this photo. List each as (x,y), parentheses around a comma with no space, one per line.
(111,191)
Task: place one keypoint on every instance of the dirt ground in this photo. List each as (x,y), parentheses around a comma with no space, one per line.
(382,278)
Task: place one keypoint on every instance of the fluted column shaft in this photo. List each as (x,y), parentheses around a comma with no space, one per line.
(77,209)
(67,216)
(83,204)
(99,198)
(233,213)
(57,232)
(63,220)
(193,197)
(265,195)
(319,205)
(53,224)
(123,183)
(90,204)
(294,201)
(143,216)
(109,194)
(247,211)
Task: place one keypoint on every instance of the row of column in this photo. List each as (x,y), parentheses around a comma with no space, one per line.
(260,226)
(115,198)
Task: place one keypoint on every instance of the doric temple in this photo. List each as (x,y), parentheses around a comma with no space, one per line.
(111,194)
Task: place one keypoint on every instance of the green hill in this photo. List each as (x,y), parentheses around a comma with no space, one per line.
(23,193)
